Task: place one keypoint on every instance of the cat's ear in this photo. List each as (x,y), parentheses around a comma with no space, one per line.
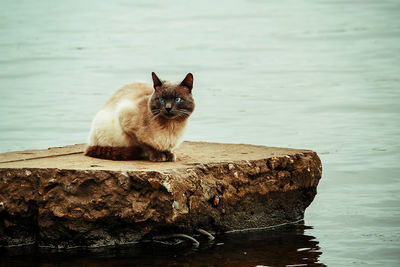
(188,81)
(156,81)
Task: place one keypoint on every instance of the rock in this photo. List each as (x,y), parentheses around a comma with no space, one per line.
(59,197)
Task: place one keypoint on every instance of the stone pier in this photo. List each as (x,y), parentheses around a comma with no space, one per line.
(59,197)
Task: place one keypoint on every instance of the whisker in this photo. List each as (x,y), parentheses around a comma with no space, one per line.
(155,111)
(183,115)
(184,111)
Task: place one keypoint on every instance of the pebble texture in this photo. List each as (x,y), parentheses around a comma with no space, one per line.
(59,197)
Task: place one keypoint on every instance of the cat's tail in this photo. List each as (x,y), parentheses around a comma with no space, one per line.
(114,153)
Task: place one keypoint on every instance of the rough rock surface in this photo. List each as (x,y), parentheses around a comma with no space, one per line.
(59,197)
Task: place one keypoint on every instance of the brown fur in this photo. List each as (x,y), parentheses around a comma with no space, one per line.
(114,153)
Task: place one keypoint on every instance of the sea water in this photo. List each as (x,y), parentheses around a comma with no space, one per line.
(320,75)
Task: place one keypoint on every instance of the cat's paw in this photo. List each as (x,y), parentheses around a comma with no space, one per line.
(170,156)
(157,157)
(162,156)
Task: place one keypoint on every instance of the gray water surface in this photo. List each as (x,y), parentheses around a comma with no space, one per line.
(321,75)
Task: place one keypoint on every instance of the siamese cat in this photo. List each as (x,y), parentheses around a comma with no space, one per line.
(142,121)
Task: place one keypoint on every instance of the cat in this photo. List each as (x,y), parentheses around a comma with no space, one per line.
(141,120)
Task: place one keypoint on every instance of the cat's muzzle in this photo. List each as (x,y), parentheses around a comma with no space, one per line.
(169,114)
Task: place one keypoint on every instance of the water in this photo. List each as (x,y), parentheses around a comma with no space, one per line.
(289,245)
(322,75)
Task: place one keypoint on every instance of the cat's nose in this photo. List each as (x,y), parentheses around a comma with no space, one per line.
(168,107)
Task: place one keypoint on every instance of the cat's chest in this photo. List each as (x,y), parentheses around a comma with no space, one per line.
(166,138)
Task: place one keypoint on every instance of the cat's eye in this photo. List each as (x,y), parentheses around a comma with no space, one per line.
(161,100)
(178,99)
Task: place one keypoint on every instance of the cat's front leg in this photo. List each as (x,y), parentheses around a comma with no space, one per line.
(157,155)
(170,155)
(161,156)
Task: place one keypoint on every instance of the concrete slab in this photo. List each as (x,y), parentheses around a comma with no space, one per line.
(60,197)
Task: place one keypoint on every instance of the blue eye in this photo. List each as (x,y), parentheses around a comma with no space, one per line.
(161,100)
(178,99)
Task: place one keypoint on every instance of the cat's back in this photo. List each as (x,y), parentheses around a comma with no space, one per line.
(135,92)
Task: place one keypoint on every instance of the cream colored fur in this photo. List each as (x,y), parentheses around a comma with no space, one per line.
(126,120)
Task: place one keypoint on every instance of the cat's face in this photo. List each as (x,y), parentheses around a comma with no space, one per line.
(172,100)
